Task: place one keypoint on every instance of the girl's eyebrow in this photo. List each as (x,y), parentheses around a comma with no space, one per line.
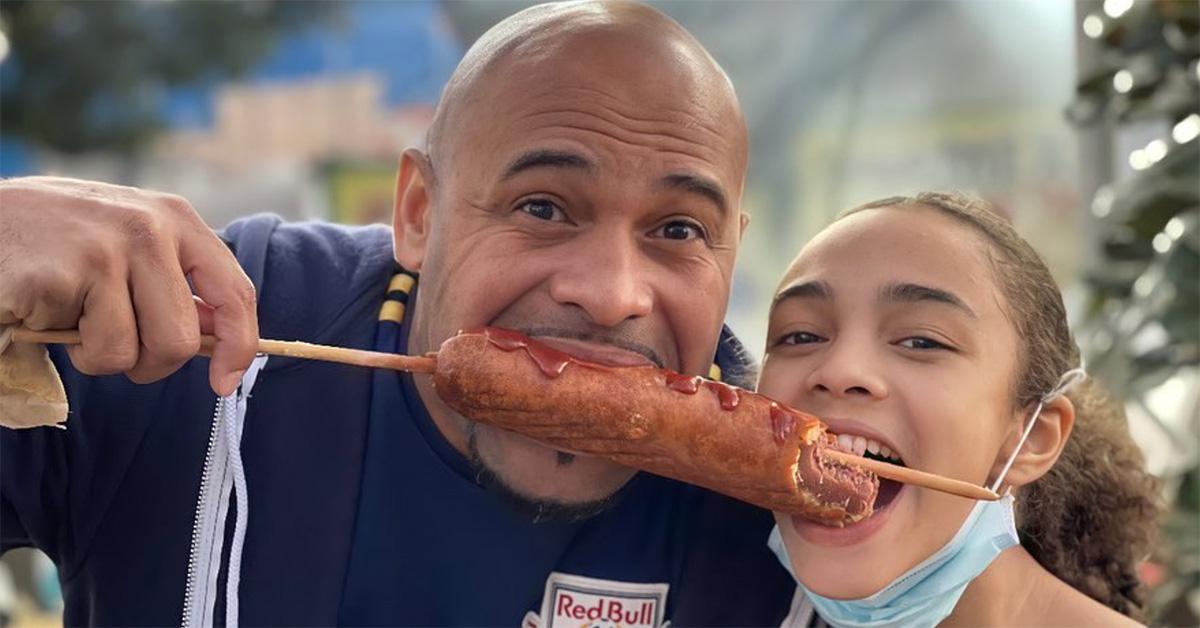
(804,290)
(915,293)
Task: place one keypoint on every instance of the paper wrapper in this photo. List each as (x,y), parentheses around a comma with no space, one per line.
(31,392)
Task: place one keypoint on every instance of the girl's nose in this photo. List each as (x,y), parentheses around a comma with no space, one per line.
(844,371)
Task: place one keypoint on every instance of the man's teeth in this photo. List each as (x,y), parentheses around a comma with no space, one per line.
(861,444)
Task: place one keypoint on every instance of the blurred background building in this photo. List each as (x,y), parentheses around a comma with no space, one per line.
(1079,120)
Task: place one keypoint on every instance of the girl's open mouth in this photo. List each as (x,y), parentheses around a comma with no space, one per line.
(887,494)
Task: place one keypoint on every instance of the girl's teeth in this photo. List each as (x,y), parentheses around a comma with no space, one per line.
(859,445)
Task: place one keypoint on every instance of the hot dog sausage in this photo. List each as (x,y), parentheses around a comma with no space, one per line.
(698,431)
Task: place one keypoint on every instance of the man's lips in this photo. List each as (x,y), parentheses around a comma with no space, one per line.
(598,353)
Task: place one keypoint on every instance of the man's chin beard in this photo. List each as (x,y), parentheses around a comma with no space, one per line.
(537,510)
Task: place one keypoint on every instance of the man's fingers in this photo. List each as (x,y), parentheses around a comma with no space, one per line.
(168,329)
(52,300)
(107,330)
(220,282)
(113,262)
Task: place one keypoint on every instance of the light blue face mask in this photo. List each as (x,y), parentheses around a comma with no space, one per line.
(927,593)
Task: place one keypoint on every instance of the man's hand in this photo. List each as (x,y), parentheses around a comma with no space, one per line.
(114,262)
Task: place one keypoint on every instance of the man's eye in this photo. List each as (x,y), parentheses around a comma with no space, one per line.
(921,343)
(680,230)
(541,209)
(800,338)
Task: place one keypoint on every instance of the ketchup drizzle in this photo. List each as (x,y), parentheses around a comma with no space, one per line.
(553,362)
(782,422)
(729,396)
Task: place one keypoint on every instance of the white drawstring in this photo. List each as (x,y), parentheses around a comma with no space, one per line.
(234,435)
(224,478)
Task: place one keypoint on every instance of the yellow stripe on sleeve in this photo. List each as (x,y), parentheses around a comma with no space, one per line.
(392,311)
(401,282)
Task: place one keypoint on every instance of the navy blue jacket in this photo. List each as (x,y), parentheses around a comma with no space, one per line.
(112,498)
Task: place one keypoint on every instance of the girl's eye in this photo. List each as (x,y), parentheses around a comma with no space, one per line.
(921,343)
(542,209)
(680,230)
(800,338)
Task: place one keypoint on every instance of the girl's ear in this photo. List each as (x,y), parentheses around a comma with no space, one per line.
(412,216)
(1044,445)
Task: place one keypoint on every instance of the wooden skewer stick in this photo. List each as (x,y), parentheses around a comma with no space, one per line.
(912,476)
(428,364)
(305,350)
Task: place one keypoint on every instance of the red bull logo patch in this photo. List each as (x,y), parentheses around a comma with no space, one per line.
(580,602)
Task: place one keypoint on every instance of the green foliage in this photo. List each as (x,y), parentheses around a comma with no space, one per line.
(1145,302)
(90,75)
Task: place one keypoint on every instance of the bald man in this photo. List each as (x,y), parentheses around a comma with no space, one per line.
(581,183)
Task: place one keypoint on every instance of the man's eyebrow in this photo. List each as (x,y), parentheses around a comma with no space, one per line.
(697,184)
(543,158)
(806,290)
(915,293)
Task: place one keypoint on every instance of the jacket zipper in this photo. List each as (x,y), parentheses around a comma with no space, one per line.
(197,522)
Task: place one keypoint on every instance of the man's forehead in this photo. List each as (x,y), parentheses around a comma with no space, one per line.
(627,101)
(613,95)
(587,141)
(646,70)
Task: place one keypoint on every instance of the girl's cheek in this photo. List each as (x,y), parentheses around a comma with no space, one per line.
(781,379)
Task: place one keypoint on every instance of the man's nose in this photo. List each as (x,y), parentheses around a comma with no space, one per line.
(607,279)
(849,369)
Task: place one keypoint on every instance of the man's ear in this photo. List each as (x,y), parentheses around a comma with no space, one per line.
(1044,445)
(412,215)
(745,223)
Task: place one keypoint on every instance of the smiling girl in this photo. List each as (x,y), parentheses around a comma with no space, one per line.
(927,332)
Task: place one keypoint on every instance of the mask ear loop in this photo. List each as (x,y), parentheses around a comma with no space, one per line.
(1068,381)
